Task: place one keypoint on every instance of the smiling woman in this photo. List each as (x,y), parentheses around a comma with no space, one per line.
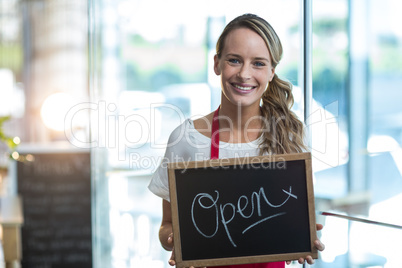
(250,64)
(133,51)
(254,117)
(245,68)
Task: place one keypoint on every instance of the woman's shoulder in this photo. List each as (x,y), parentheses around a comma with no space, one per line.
(198,129)
(204,125)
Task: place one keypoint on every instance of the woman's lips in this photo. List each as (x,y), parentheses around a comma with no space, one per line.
(243,88)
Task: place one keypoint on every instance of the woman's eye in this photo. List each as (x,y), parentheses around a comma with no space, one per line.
(235,61)
(259,64)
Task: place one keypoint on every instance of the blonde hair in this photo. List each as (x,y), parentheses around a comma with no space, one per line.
(283,132)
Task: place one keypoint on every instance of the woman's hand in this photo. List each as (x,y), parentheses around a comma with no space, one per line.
(317,243)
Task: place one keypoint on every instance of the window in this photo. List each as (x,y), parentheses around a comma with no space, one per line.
(353,48)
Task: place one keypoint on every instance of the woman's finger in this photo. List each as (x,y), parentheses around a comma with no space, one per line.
(170,238)
(310,260)
(172,261)
(320,246)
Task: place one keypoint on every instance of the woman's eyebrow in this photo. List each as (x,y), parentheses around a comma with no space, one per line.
(238,56)
(261,58)
(233,55)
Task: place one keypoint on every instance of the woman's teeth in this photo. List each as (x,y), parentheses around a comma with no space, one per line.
(243,88)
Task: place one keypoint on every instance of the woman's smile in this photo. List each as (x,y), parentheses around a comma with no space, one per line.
(245,68)
(243,88)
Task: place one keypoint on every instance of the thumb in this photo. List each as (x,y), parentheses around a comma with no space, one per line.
(172,261)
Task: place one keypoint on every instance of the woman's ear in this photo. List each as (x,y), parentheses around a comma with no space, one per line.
(217,69)
(271,74)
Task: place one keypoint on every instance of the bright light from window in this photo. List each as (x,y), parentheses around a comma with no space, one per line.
(381,143)
(54,110)
(15,155)
(17,140)
(335,237)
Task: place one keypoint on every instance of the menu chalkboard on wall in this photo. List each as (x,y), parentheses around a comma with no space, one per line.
(244,210)
(56,196)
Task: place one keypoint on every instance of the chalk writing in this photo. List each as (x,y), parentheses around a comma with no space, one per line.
(206,201)
(56,191)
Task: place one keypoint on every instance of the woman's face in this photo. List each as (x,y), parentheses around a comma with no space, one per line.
(245,67)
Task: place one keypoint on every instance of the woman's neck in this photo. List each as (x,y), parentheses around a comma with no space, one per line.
(239,124)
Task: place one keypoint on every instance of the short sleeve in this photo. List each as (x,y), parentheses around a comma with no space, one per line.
(159,184)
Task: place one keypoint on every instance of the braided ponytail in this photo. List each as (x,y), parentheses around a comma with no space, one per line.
(283,132)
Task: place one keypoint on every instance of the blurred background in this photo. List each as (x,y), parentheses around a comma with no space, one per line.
(116,77)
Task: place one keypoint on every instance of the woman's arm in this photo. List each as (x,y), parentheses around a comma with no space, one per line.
(166,229)
(166,232)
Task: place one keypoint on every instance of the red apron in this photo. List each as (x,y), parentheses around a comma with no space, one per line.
(215,155)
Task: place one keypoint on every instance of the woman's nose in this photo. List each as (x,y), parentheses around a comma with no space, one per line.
(244,72)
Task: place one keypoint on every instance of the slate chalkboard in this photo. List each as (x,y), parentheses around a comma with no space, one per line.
(56,195)
(244,210)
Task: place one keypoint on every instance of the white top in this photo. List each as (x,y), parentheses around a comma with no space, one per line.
(187,144)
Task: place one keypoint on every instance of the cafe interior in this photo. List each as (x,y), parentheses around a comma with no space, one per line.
(91,90)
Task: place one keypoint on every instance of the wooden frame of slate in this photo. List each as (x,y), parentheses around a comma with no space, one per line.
(242,210)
